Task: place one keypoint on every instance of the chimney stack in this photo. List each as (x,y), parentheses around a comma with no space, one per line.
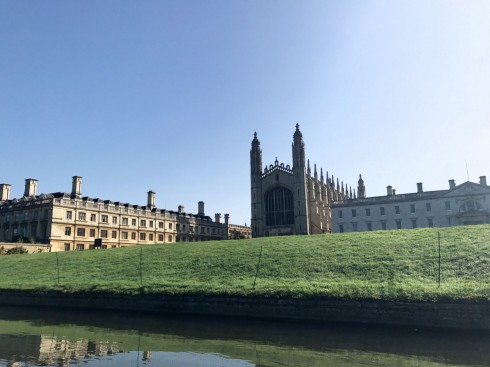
(389,190)
(217,218)
(181,209)
(420,189)
(483,180)
(76,186)
(394,192)
(31,187)
(4,192)
(452,184)
(200,208)
(151,199)
(227,219)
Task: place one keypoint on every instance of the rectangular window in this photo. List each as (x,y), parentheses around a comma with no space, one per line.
(150,224)
(430,222)
(125,221)
(354,227)
(340,213)
(183,227)
(150,237)
(170,238)
(160,225)
(133,222)
(207,230)
(114,234)
(368,212)
(369,226)
(124,235)
(82,216)
(69,214)
(341,228)
(448,205)
(81,232)
(142,223)
(80,246)
(160,237)
(397,209)
(93,218)
(382,210)
(67,247)
(114,220)
(398,224)
(103,233)
(354,213)
(383,225)
(133,235)
(142,236)
(170,227)
(414,222)
(67,231)
(104,218)
(412,208)
(92,232)
(428,207)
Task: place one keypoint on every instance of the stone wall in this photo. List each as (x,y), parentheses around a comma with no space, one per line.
(461,316)
(32,248)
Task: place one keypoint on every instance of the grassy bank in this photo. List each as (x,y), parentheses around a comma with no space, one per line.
(385,265)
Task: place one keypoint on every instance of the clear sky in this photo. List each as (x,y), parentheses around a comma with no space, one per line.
(166,95)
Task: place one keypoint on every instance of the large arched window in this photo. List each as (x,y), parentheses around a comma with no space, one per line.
(279,207)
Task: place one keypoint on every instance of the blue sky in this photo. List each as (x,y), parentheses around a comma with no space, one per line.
(166,95)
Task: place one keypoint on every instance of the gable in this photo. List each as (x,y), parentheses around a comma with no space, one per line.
(467,189)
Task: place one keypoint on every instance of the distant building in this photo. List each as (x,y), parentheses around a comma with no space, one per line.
(289,200)
(70,221)
(468,203)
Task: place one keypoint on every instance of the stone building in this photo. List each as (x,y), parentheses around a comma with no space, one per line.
(468,203)
(289,200)
(70,221)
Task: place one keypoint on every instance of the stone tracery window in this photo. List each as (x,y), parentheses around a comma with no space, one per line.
(279,207)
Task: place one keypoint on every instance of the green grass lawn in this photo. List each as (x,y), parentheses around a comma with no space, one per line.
(383,265)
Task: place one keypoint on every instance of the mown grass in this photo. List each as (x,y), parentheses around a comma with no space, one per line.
(385,265)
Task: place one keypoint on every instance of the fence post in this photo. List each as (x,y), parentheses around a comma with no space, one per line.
(141,266)
(439,271)
(58,266)
(258,266)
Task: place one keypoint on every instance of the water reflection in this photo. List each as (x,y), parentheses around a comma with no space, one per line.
(41,337)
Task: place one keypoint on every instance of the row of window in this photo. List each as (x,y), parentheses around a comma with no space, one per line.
(143,223)
(81,232)
(398,225)
(382,211)
(35,215)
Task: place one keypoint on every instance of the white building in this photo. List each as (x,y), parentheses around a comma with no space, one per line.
(468,203)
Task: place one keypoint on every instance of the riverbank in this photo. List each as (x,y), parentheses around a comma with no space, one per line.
(434,315)
(371,274)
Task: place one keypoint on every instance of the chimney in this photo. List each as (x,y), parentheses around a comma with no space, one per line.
(227,219)
(200,208)
(483,180)
(389,190)
(452,184)
(76,186)
(151,199)
(181,209)
(420,189)
(394,192)
(31,186)
(4,192)
(217,217)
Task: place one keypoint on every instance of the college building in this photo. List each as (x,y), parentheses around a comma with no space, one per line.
(287,200)
(464,204)
(70,221)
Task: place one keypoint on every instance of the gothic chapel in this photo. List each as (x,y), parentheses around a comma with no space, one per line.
(287,201)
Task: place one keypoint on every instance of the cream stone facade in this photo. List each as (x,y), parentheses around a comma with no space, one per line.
(465,204)
(70,221)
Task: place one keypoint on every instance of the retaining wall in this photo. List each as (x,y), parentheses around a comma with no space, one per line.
(464,316)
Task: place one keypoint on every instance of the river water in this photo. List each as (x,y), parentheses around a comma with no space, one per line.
(44,337)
